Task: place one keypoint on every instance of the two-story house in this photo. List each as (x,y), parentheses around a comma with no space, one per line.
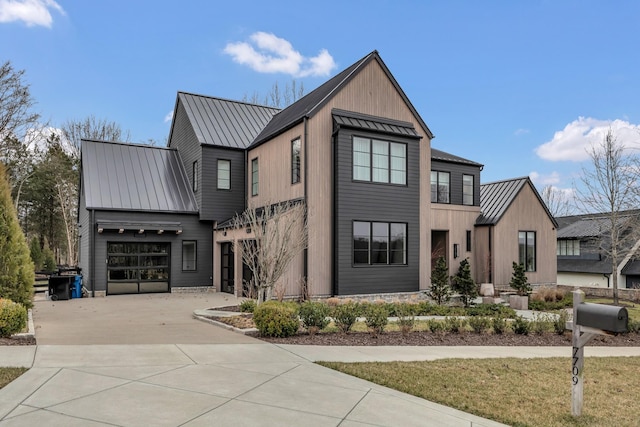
(381,204)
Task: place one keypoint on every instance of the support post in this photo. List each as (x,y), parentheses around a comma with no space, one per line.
(577,367)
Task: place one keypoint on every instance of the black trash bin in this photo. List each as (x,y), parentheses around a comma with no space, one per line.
(60,287)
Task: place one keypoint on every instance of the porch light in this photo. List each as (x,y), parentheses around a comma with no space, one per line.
(120,231)
(178,231)
(160,231)
(100,229)
(141,231)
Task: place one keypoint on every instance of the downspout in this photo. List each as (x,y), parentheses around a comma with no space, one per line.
(305,267)
(334,211)
(92,251)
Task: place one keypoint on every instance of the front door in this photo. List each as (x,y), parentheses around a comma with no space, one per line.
(226,269)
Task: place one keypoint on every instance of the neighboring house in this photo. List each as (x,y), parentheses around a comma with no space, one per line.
(381,204)
(581,260)
(515,226)
(138,221)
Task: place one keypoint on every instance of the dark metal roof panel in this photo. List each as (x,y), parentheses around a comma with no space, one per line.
(495,199)
(223,122)
(373,123)
(448,157)
(134,177)
(585,227)
(602,266)
(632,267)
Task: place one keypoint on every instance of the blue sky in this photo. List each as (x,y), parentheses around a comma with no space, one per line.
(522,87)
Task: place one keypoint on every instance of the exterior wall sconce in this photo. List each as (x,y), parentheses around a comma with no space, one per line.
(160,231)
(248,230)
(456,248)
(224,233)
(100,229)
(179,232)
(141,231)
(120,231)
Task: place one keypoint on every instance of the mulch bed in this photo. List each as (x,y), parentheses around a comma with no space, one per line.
(17,341)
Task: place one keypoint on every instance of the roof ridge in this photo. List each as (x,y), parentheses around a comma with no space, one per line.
(235,101)
(506,180)
(128,144)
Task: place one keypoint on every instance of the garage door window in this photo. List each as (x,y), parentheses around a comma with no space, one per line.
(137,267)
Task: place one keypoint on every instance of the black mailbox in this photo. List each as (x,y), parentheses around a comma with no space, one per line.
(606,317)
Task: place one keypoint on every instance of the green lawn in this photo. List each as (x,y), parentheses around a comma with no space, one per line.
(518,392)
(9,374)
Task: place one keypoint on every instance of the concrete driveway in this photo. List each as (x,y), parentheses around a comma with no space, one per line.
(132,319)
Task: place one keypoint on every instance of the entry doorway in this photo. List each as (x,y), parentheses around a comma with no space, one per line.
(227,271)
(438,246)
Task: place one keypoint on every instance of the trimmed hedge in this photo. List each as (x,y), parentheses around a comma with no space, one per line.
(13,318)
(314,316)
(276,319)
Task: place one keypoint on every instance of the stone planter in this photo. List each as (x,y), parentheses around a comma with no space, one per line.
(486,290)
(518,302)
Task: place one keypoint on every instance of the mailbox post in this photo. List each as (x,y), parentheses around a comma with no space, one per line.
(590,320)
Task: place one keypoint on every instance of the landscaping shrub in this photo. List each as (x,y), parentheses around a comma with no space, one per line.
(538,305)
(463,283)
(521,326)
(13,318)
(436,326)
(499,325)
(633,326)
(454,324)
(560,322)
(332,302)
(248,306)
(376,318)
(345,315)
(541,323)
(479,324)
(491,310)
(519,280)
(440,290)
(406,318)
(314,316)
(276,319)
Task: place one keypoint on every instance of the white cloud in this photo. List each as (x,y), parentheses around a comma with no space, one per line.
(521,131)
(168,117)
(31,12)
(572,142)
(542,180)
(276,55)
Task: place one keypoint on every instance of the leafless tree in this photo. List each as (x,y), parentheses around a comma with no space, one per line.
(280,234)
(610,186)
(16,104)
(277,97)
(91,128)
(558,201)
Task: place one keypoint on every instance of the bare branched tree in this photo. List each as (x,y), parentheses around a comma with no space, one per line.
(277,97)
(610,187)
(558,201)
(91,128)
(280,234)
(16,103)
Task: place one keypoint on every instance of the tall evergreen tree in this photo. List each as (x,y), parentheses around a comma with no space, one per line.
(16,268)
(464,284)
(440,290)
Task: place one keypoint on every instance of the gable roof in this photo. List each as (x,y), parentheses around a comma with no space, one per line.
(118,176)
(223,122)
(590,225)
(450,158)
(496,197)
(311,103)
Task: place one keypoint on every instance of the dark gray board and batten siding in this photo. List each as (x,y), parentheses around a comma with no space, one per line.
(220,205)
(365,201)
(456,170)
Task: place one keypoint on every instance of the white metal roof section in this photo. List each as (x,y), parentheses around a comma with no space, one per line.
(223,122)
(117,176)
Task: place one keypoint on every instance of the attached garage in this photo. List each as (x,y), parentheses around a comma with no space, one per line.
(134,268)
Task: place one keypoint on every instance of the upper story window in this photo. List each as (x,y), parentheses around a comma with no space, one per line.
(440,187)
(568,247)
(467,190)
(224,174)
(194,176)
(379,243)
(254,177)
(527,249)
(295,161)
(379,161)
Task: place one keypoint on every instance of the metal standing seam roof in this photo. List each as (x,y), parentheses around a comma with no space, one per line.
(134,177)
(378,124)
(496,197)
(593,266)
(309,104)
(585,227)
(223,122)
(448,157)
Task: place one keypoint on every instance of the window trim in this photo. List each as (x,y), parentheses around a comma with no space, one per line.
(194,175)
(228,161)
(562,246)
(438,172)
(296,164)
(195,254)
(370,249)
(255,176)
(464,186)
(370,166)
(526,250)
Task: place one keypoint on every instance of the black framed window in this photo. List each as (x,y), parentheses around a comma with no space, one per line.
(468,240)
(224,174)
(527,249)
(254,177)
(467,190)
(189,255)
(440,188)
(194,171)
(379,243)
(568,248)
(295,161)
(381,161)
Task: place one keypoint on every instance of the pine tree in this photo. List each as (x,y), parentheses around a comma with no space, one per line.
(36,253)
(16,268)
(440,290)
(464,284)
(519,280)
